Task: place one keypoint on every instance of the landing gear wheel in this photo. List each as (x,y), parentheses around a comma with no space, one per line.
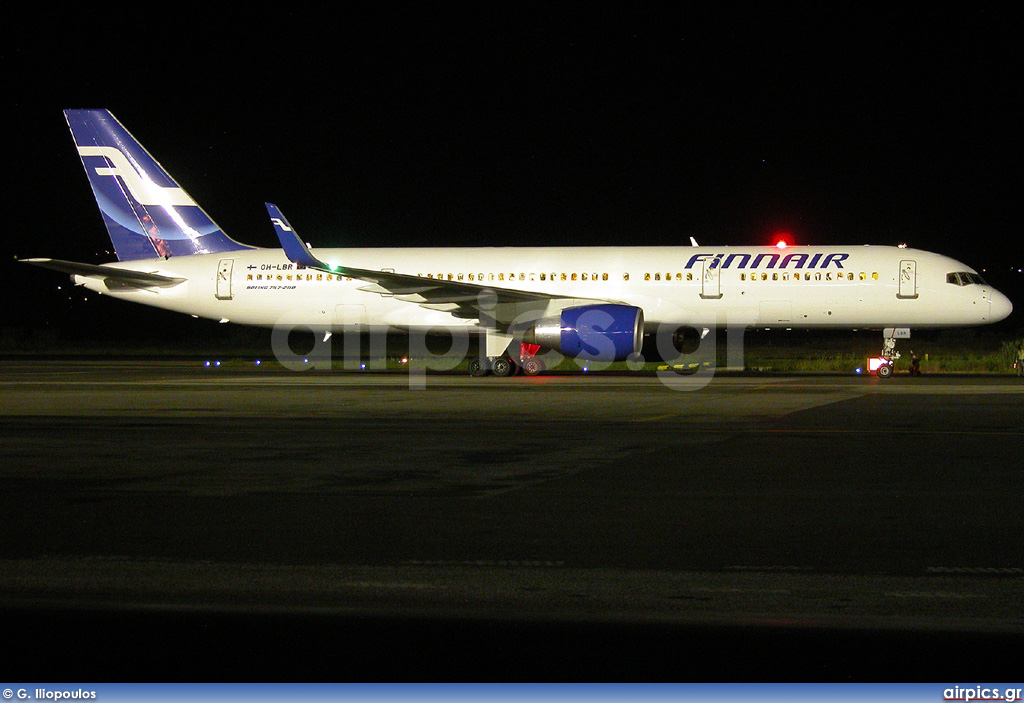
(885,371)
(533,367)
(478,368)
(502,366)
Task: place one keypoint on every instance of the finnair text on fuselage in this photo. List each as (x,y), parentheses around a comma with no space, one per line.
(769,261)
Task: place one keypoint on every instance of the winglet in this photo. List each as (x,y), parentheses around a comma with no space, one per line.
(297,252)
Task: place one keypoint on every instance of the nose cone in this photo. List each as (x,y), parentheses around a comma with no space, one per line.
(1000,306)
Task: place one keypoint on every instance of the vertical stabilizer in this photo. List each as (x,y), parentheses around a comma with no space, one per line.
(147,214)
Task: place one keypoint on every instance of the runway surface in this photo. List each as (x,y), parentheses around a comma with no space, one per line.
(646,521)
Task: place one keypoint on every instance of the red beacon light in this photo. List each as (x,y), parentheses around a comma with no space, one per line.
(781,244)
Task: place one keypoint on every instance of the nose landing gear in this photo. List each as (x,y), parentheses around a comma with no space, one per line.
(889,357)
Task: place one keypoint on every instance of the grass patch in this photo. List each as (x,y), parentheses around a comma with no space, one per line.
(796,351)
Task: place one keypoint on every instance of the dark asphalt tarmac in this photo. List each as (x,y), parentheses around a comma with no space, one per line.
(617,525)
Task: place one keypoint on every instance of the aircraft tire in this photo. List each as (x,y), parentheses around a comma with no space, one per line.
(478,368)
(502,366)
(533,367)
(885,371)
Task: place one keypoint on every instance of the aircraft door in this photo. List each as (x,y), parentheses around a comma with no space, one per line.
(349,316)
(224,279)
(908,279)
(710,282)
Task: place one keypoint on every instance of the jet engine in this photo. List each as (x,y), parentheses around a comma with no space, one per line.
(602,332)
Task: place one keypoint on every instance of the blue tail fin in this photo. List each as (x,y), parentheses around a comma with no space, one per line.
(147,214)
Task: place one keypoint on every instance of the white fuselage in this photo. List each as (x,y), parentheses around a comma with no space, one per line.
(842,286)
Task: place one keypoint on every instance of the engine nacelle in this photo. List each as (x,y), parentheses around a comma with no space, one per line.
(603,332)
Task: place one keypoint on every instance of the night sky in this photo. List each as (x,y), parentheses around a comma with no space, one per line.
(450,125)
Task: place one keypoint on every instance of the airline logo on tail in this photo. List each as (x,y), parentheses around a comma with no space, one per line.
(146,213)
(143,190)
(281,223)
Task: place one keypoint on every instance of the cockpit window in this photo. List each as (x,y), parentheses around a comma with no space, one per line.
(964,278)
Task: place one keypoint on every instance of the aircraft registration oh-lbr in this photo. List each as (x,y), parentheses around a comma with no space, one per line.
(585,302)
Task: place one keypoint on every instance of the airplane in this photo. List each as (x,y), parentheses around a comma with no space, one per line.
(591,303)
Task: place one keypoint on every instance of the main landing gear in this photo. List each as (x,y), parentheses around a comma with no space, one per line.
(502,366)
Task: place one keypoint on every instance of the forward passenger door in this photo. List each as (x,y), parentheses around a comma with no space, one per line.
(908,279)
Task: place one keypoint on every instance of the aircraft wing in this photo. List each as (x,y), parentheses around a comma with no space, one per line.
(460,299)
(112,277)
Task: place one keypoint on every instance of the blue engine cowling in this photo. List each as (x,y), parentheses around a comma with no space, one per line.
(603,332)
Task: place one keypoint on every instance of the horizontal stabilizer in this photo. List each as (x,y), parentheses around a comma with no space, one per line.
(112,277)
